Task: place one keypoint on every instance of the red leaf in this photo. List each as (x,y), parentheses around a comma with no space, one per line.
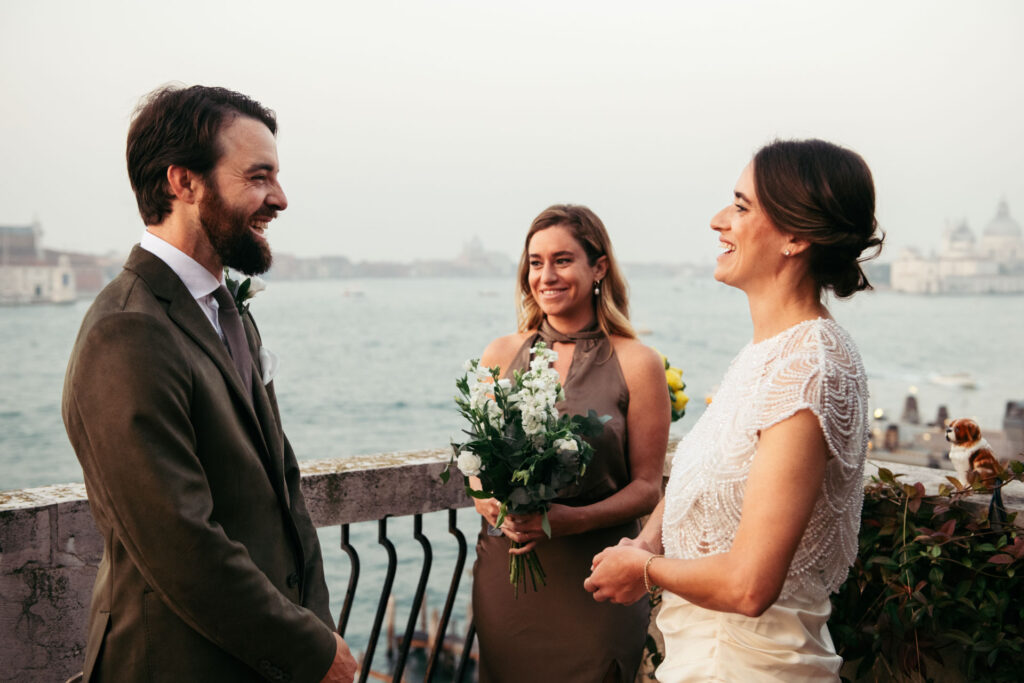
(1001,558)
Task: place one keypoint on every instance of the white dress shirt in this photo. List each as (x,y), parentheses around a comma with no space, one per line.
(198,280)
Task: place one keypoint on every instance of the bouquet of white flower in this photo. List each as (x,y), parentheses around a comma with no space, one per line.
(524,453)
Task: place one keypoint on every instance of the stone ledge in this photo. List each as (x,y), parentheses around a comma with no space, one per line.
(370,487)
(1013,493)
(40,496)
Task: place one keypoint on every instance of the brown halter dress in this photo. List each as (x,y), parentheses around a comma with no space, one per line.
(560,633)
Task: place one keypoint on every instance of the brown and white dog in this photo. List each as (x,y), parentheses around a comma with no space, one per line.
(970,453)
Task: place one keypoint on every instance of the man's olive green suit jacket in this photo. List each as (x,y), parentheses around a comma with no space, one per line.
(211,568)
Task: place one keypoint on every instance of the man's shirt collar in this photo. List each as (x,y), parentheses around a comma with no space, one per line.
(197,279)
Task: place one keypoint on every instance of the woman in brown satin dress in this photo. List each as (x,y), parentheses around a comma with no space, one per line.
(571,295)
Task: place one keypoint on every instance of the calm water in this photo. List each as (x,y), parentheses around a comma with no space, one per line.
(368,366)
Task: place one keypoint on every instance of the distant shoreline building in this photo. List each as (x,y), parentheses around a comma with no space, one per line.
(993,265)
(30,275)
(473,261)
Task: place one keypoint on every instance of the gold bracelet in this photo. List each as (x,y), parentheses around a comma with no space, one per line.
(647,581)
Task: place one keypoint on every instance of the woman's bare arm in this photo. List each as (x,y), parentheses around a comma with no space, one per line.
(785,481)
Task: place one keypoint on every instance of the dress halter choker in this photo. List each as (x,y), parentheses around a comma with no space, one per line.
(549,333)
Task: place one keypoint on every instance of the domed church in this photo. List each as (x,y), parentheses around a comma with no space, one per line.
(995,264)
(1002,237)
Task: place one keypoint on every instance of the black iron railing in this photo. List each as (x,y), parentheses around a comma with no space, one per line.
(448,657)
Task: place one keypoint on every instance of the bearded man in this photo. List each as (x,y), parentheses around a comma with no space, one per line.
(211,567)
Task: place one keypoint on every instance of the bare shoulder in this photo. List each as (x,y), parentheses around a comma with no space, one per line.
(502,350)
(644,372)
(639,362)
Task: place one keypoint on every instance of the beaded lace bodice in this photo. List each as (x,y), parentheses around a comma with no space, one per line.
(813,365)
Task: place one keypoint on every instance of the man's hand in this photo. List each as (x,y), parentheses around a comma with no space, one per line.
(343,668)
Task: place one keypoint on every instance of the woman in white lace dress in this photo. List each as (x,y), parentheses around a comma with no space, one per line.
(759,521)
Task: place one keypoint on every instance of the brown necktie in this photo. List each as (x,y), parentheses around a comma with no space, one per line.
(231,325)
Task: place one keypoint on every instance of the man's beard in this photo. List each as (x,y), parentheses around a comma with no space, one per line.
(230,235)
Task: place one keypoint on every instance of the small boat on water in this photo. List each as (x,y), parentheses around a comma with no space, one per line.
(963,380)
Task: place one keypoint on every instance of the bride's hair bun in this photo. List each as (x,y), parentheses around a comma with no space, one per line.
(824,194)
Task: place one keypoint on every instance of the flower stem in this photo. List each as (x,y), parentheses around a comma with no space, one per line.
(519,566)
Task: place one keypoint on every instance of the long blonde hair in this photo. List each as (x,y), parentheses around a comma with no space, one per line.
(612,305)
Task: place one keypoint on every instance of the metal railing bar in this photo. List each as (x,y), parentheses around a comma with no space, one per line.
(449,605)
(467,648)
(353,579)
(417,601)
(385,592)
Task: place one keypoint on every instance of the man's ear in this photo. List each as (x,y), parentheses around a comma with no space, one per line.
(183,183)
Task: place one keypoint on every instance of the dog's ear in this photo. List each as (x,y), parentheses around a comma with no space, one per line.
(973,431)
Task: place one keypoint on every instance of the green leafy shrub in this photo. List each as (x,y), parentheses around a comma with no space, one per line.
(936,587)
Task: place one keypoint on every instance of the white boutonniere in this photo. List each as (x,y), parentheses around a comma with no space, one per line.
(243,290)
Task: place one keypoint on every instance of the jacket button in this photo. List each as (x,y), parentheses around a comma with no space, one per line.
(293,579)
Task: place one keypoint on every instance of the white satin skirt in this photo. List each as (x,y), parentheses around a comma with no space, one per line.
(789,643)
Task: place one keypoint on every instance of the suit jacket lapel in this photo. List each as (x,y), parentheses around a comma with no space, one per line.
(183,310)
(266,411)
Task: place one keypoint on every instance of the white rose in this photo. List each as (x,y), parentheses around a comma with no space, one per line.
(469,463)
(567,445)
(256,285)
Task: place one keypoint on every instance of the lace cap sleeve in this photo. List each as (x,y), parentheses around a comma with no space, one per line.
(818,370)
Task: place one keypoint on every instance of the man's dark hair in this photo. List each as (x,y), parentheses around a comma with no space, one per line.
(179,126)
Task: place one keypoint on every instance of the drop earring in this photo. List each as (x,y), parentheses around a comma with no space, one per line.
(597,288)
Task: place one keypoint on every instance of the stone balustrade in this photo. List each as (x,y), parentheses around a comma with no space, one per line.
(50,549)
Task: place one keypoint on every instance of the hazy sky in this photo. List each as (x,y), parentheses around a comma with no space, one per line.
(408,127)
